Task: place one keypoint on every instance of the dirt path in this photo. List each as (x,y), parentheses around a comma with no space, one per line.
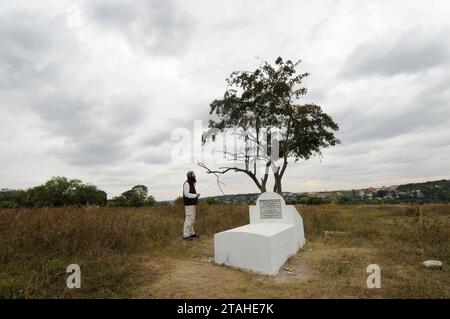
(197,276)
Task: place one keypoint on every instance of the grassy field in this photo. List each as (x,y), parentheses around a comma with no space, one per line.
(139,253)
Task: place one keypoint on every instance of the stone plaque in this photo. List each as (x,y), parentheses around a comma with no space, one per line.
(270,209)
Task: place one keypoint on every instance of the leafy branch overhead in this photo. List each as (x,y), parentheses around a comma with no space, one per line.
(264,101)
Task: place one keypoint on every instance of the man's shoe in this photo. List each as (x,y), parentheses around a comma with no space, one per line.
(188,238)
(194,236)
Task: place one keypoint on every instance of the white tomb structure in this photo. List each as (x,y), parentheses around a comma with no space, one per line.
(274,234)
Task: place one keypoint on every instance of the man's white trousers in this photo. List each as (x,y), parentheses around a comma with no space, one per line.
(188,229)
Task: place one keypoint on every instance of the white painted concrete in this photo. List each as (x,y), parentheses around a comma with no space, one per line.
(274,234)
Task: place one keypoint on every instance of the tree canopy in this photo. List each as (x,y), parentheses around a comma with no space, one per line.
(56,192)
(264,105)
(61,191)
(137,196)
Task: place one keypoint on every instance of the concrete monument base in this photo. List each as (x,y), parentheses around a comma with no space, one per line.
(274,234)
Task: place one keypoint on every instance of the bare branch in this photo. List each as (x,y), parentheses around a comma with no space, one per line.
(223,170)
(217,174)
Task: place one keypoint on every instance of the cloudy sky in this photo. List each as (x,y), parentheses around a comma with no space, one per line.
(96,89)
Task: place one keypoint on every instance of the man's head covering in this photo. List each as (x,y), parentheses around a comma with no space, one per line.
(190,177)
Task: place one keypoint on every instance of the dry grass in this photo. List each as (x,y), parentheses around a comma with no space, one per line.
(139,253)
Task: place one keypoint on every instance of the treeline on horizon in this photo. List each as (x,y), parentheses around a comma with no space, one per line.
(430,192)
(61,192)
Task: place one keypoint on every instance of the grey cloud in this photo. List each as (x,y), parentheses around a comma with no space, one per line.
(413,51)
(31,50)
(34,52)
(157,139)
(56,89)
(382,161)
(102,151)
(95,132)
(423,111)
(157,157)
(157,145)
(156,26)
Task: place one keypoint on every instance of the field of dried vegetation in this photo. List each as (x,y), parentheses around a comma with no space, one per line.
(139,253)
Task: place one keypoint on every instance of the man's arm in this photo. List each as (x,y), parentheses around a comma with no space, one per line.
(186,192)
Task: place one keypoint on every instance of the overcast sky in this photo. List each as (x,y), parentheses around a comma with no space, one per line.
(94,89)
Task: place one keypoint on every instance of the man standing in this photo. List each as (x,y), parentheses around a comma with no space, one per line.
(190,198)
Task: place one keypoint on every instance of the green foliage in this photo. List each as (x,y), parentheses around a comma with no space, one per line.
(314,201)
(11,198)
(135,197)
(306,200)
(430,192)
(8,204)
(344,200)
(151,201)
(268,99)
(88,194)
(414,193)
(56,192)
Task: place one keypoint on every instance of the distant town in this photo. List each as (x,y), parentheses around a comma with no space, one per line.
(427,192)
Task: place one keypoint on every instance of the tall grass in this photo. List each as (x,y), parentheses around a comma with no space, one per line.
(36,245)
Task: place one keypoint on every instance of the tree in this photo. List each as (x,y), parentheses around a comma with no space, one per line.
(151,201)
(84,195)
(58,191)
(137,196)
(11,198)
(118,201)
(263,108)
(140,191)
(344,200)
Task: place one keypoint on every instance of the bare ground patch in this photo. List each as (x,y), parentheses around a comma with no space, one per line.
(302,276)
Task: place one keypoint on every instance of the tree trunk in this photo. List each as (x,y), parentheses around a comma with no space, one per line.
(279,190)
(277,186)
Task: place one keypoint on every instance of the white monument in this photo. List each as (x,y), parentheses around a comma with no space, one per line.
(274,234)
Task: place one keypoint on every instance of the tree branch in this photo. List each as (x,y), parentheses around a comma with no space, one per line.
(223,170)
